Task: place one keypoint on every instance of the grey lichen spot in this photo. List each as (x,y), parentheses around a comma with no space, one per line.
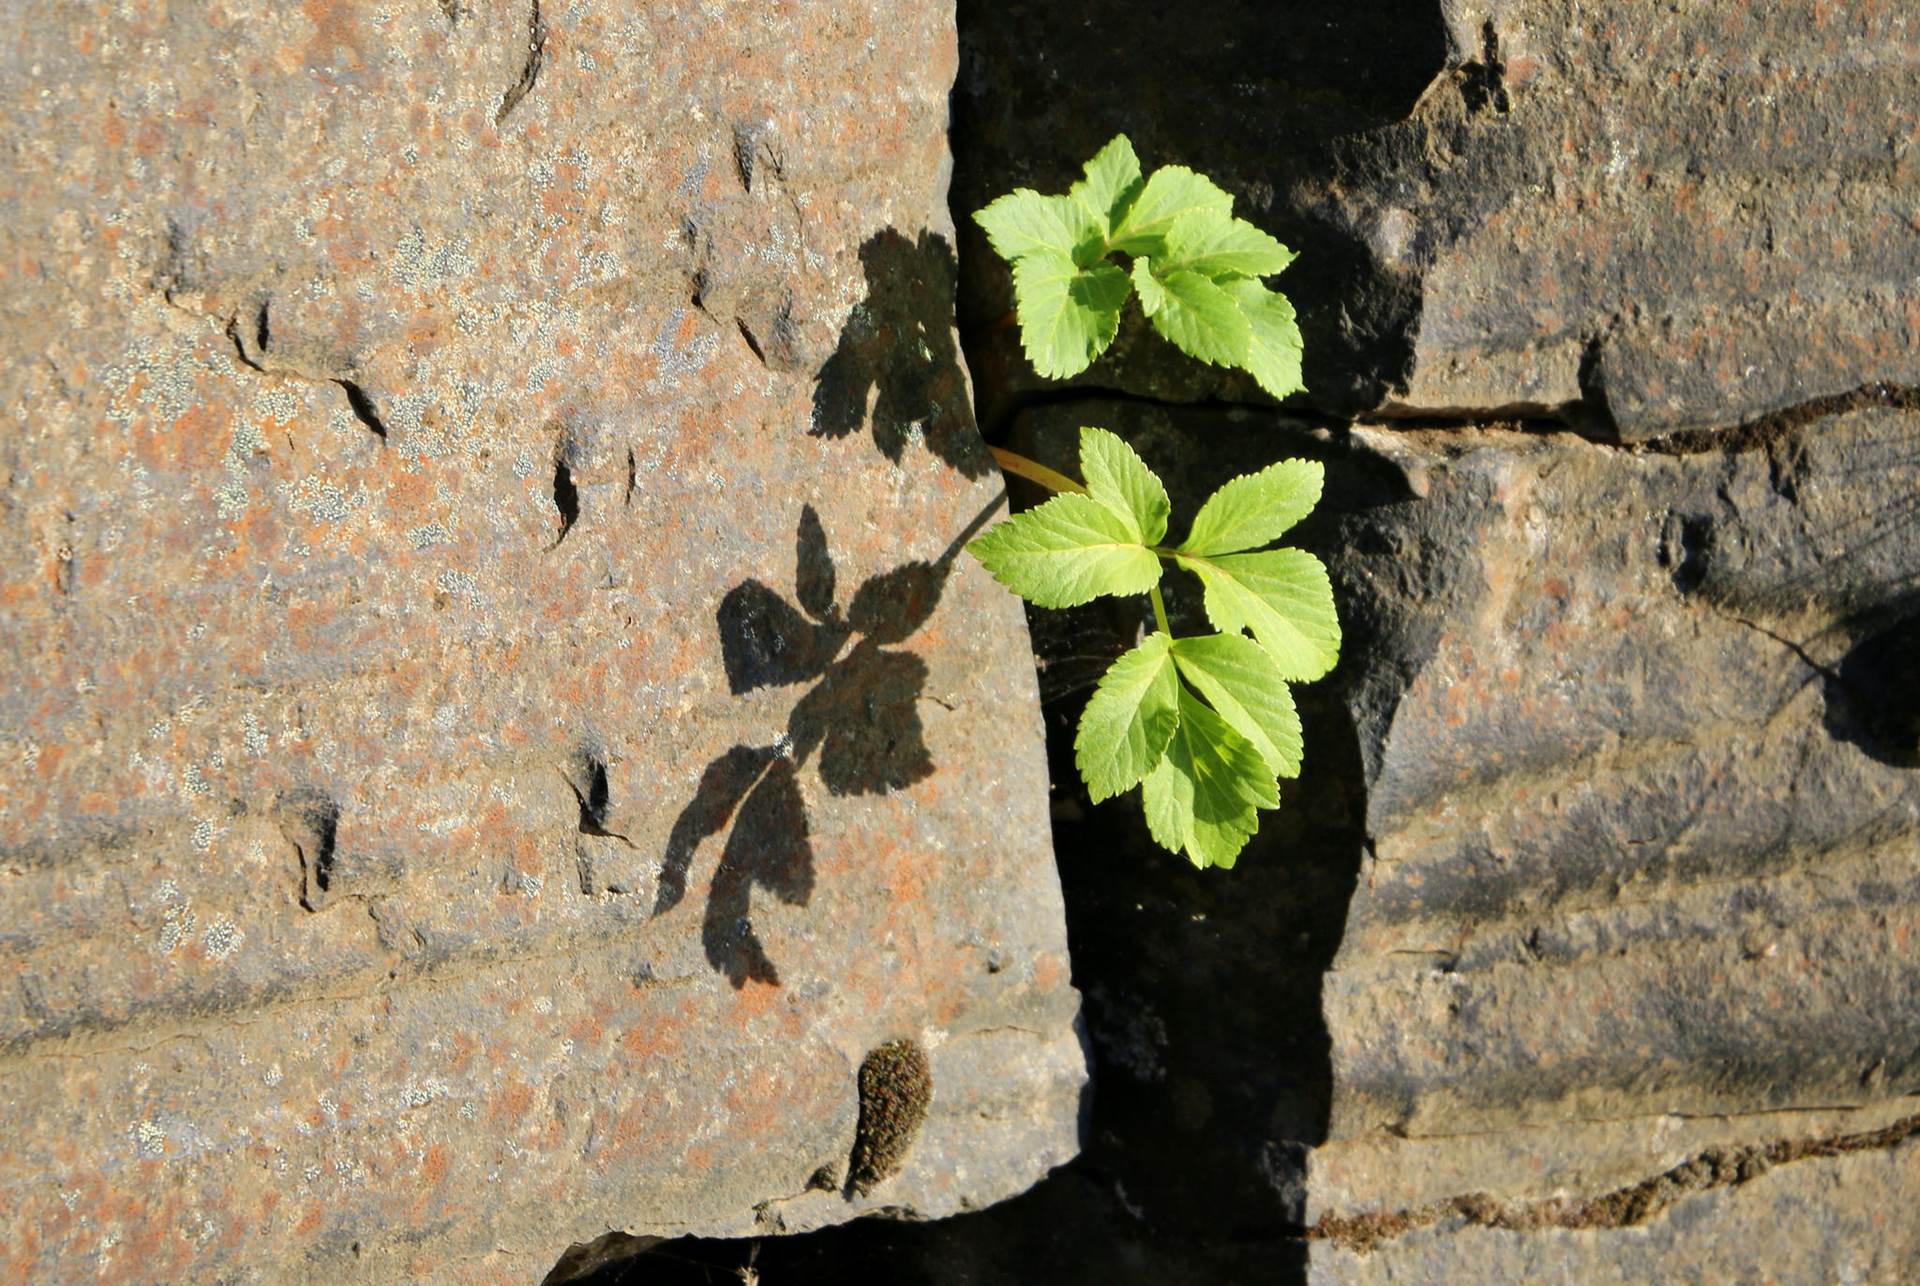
(176,926)
(458,584)
(150,1139)
(427,535)
(896,1086)
(222,938)
(418,266)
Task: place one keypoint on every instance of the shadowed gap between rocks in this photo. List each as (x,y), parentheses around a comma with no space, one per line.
(1263,100)
(1227,1137)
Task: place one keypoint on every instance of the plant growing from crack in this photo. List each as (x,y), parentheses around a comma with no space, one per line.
(1204,725)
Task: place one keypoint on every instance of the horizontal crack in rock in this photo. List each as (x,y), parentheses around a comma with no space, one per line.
(1622,1208)
(1776,425)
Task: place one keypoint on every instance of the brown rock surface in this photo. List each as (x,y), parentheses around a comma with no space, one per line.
(495,728)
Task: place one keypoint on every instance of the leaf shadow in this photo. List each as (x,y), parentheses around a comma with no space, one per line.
(898,349)
(858,719)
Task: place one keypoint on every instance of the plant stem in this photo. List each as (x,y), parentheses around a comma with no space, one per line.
(1034,471)
(1160,611)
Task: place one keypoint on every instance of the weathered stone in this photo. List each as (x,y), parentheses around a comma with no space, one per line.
(1642,222)
(1686,218)
(496,727)
(1633,847)
(1633,874)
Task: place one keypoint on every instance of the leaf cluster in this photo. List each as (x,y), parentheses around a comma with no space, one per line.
(1205,725)
(1196,267)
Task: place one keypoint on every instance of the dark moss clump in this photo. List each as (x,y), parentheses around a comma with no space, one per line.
(896,1084)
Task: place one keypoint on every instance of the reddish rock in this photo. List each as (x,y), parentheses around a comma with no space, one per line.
(496,728)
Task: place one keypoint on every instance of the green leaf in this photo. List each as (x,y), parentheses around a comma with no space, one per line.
(1112,182)
(1282,596)
(1239,680)
(1273,355)
(1202,796)
(1256,509)
(1215,244)
(1153,295)
(1024,222)
(1173,190)
(1068,315)
(1121,481)
(1128,721)
(1070,550)
(1197,316)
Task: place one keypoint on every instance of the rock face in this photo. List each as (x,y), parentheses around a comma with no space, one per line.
(496,729)
(1655,221)
(1584,948)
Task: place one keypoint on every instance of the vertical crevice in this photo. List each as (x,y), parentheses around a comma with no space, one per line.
(1484,81)
(363,408)
(310,820)
(566,498)
(529,69)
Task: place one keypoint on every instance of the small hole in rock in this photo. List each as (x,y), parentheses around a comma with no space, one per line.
(596,798)
(311,822)
(566,498)
(362,407)
(1870,695)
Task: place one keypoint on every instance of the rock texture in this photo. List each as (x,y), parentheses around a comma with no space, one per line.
(1648,221)
(495,727)
(1642,863)
(1585,947)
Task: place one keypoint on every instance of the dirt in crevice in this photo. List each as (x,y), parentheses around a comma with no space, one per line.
(1775,426)
(1622,1208)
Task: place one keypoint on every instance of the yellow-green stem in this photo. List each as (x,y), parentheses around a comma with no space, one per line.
(1034,471)
(1160,611)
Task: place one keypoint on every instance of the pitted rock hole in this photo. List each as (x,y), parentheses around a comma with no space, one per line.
(566,497)
(311,821)
(363,408)
(590,786)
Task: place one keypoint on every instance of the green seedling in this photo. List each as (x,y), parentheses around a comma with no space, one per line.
(1203,725)
(1196,267)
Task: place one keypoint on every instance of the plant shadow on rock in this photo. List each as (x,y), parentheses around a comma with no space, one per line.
(859,718)
(898,349)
